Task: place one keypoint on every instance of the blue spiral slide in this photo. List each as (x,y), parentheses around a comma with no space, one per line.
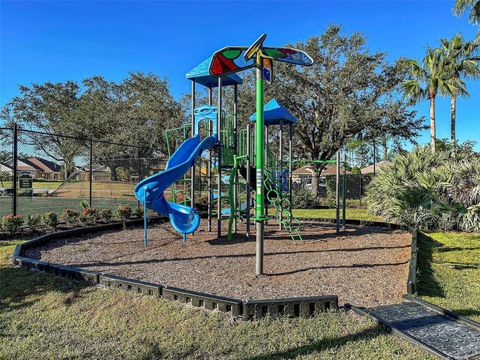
(150,191)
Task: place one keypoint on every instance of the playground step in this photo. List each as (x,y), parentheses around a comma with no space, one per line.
(436,330)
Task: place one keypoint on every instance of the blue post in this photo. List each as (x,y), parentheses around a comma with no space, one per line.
(145,241)
(184,237)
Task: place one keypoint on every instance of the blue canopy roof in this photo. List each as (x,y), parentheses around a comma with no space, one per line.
(201,75)
(273,113)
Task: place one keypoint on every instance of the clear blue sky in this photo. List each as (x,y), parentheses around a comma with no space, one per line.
(58,41)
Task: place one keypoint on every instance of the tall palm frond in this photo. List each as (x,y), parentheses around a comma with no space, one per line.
(461,7)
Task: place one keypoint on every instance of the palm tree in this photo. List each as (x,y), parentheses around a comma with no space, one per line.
(462,5)
(460,63)
(425,81)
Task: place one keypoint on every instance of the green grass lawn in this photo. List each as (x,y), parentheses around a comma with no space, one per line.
(36,184)
(353,214)
(449,271)
(42,316)
(39,205)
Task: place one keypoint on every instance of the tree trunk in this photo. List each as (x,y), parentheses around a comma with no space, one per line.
(385,150)
(114,175)
(315,183)
(453,115)
(433,130)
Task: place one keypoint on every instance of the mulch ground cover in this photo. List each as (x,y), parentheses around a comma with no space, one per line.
(366,266)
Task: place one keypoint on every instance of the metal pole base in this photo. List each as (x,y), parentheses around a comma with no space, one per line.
(259,250)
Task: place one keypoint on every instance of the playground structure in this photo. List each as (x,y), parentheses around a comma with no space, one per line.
(229,152)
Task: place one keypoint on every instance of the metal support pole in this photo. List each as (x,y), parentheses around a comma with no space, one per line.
(219,162)
(337,190)
(281,173)
(290,159)
(90,176)
(209,169)
(344,206)
(192,171)
(267,169)
(259,210)
(247,213)
(15,168)
(235,149)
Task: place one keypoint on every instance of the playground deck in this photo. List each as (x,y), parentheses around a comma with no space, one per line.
(366,267)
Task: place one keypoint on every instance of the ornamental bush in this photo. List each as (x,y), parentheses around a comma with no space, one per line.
(33,222)
(304,199)
(138,212)
(428,191)
(71,217)
(123,212)
(90,215)
(50,219)
(12,223)
(106,215)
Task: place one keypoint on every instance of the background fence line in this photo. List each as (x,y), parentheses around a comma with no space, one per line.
(42,171)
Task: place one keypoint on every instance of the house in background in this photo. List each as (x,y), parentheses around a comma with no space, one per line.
(374,169)
(302,177)
(46,169)
(99,173)
(305,173)
(6,170)
(37,167)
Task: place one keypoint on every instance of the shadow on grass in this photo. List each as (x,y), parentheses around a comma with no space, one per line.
(427,284)
(467,312)
(322,345)
(21,288)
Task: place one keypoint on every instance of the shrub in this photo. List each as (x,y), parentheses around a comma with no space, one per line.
(12,223)
(106,215)
(138,212)
(304,199)
(50,219)
(33,222)
(123,212)
(89,215)
(71,217)
(428,191)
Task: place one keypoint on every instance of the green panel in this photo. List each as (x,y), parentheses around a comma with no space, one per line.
(273,53)
(232,54)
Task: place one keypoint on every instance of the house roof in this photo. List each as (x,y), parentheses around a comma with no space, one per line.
(274,113)
(201,75)
(307,170)
(6,168)
(21,165)
(379,165)
(304,170)
(34,164)
(42,164)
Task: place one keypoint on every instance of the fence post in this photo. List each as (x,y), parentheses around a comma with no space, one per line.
(140,173)
(140,177)
(15,160)
(90,175)
(337,191)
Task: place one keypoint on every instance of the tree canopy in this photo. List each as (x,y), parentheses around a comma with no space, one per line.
(349,92)
(127,118)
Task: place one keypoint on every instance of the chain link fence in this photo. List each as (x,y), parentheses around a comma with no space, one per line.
(42,172)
